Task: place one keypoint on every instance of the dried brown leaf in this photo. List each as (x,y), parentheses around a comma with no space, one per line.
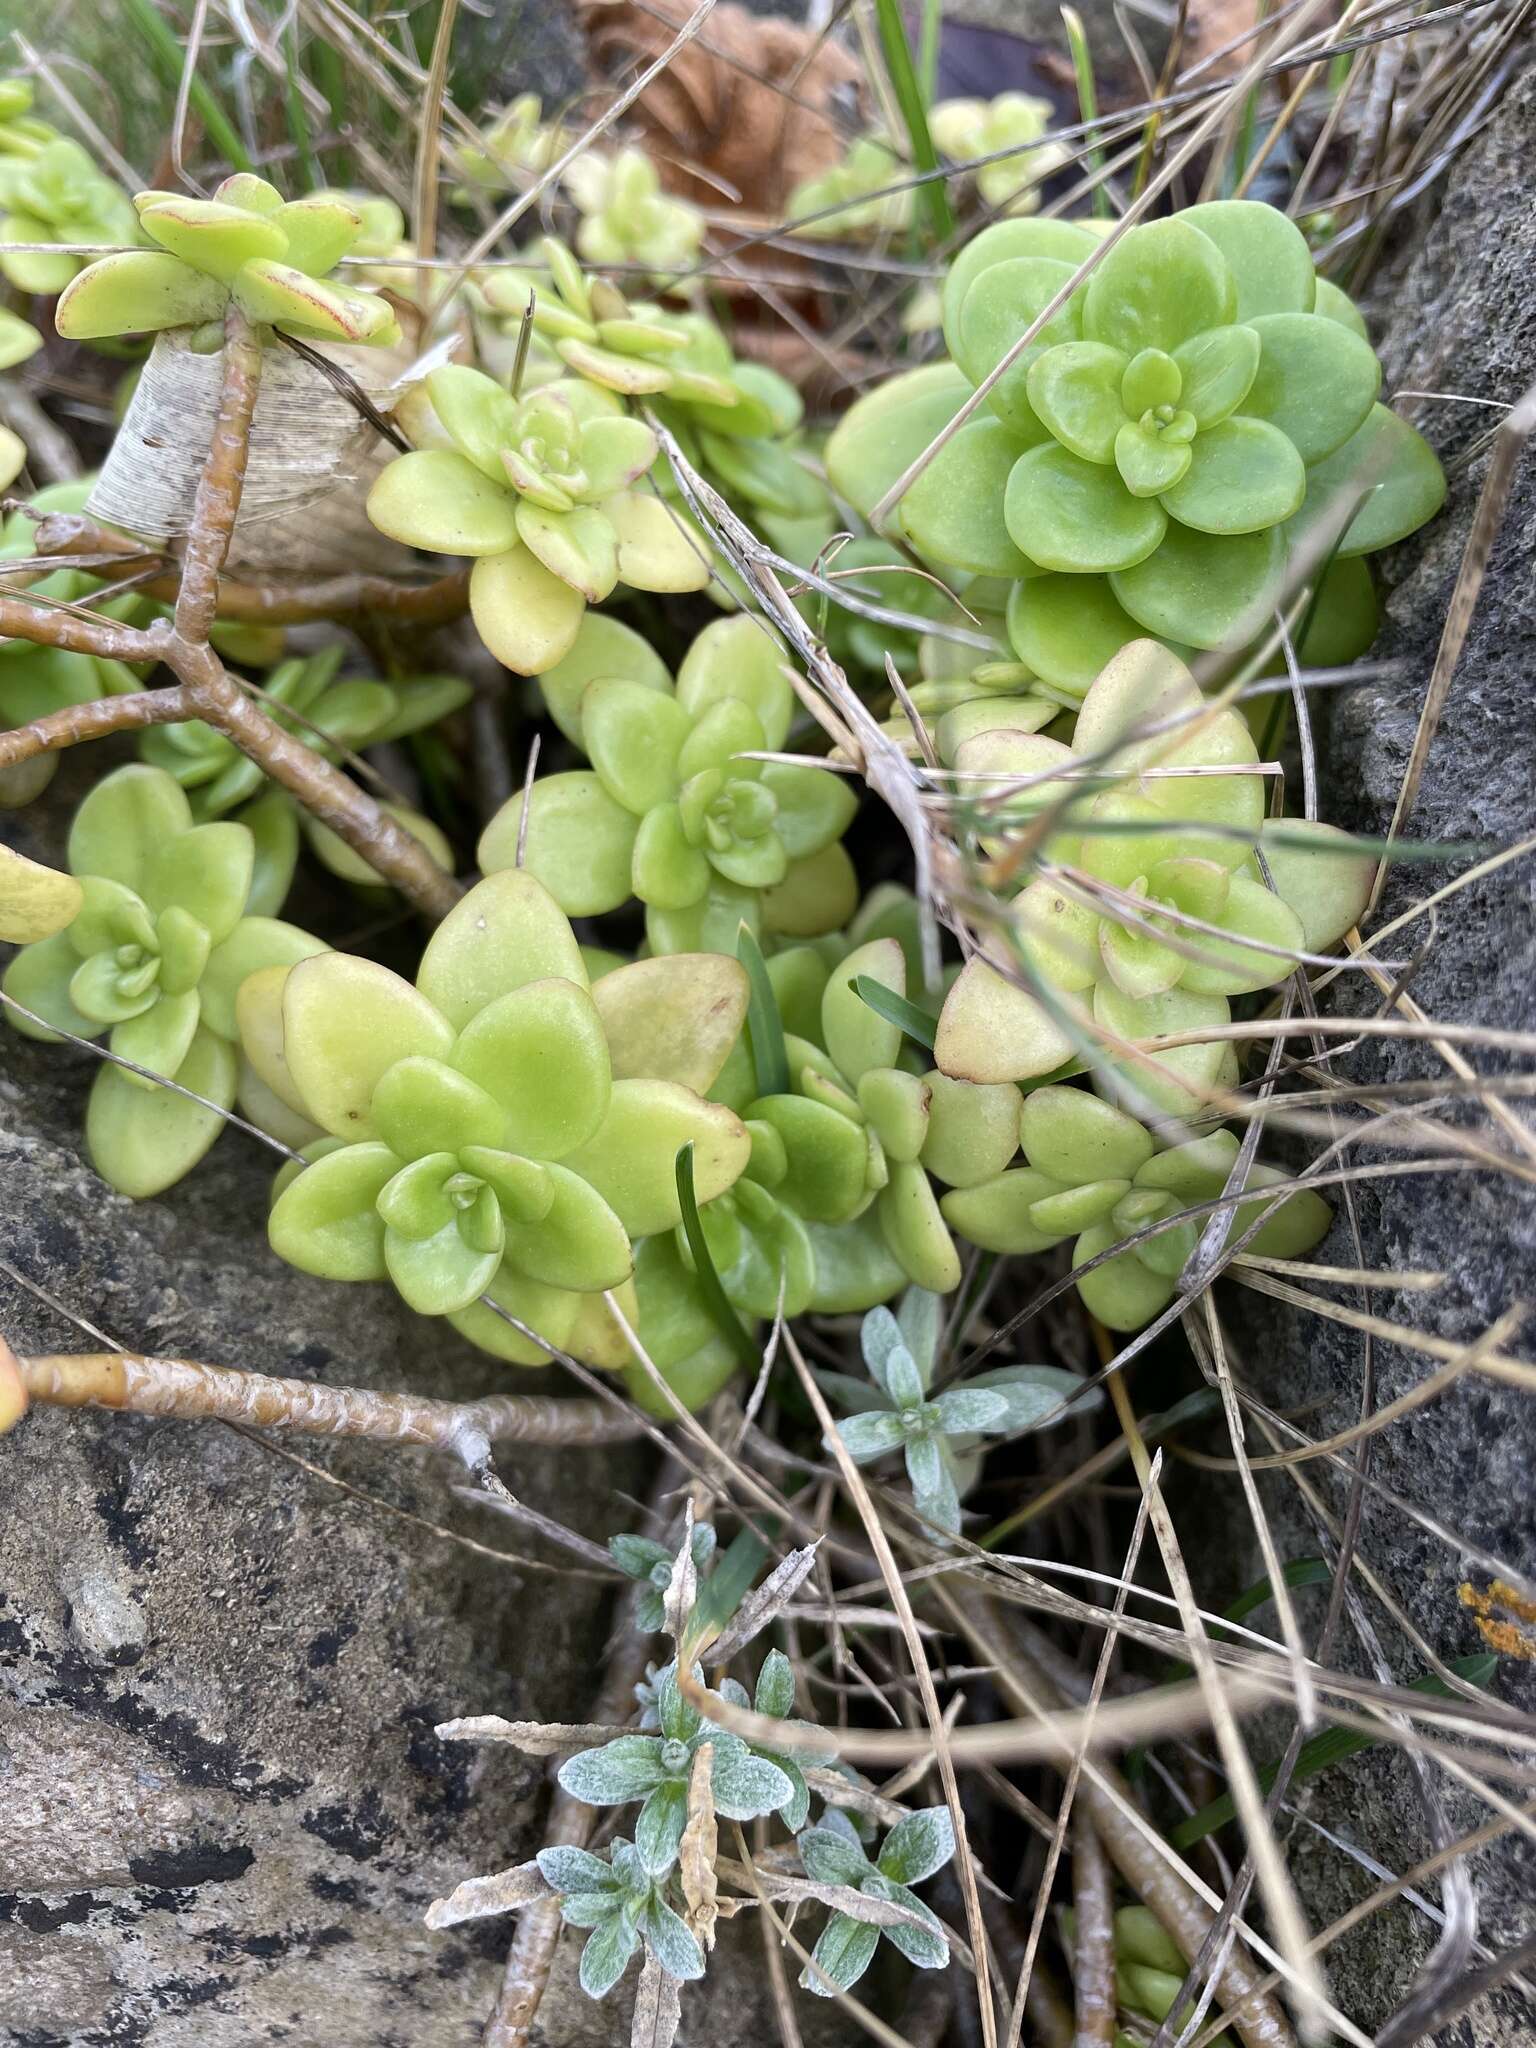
(698,1849)
(478,1898)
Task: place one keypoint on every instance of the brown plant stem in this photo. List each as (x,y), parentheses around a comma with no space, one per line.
(1093,1962)
(206,690)
(221,486)
(133,1383)
(295,603)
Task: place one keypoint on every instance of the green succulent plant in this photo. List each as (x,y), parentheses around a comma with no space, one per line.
(1092,1173)
(974,128)
(519,144)
(18,340)
(831,1853)
(155,958)
(896,1410)
(502,1128)
(1140,845)
(22,134)
(628,219)
(656,1769)
(626,1907)
(304,697)
(671,811)
(537,491)
(1156,459)
(58,195)
(837,1206)
(247,246)
(736,422)
(856,188)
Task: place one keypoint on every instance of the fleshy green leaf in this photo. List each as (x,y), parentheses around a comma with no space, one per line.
(953,511)
(914,1229)
(1206,590)
(634,736)
(1398,472)
(35,901)
(659,549)
(541,1053)
(856,1037)
(1160,284)
(1316,381)
(345,1023)
(1075,390)
(1270,262)
(526,617)
(674,1018)
(631,1158)
(326,1221)
(973,1129)
(137,292)
(996,313)
(992,1030)
(436,498)
(1078,516)
(124,821)
(1217,369)
(144,1140)
(1243,474)
(507,931)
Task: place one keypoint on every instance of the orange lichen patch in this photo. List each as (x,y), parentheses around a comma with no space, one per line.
(13,1392)
(1511,1638)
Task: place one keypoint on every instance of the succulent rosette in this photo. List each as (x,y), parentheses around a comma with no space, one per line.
(735,421)
(1150,909)
(966,129)
(855,188)
(248,246)
(537,491)
(305,697)
(1191,426)
(673,810)
(154,958)
(58,195)
(502,1128)
(628,219)
(1092,1172)
(22,134)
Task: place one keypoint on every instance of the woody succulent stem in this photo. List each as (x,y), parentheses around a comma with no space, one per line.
(65,535)
(207,691)
(134,1384)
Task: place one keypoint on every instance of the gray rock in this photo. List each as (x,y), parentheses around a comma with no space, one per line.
(1458,316)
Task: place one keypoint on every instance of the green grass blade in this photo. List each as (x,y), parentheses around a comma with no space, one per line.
(722,1315)
(765,1028)
(932,199)
(1087,98)
(895,1009)
(169,58)
(1322,1752)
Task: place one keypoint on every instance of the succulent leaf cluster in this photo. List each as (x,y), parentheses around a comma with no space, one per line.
(501,1128)
(57,195)
(674,810)
(538,492)
(628,219)
(1196,417)
(736,422)
(852,195)
(153,958)
(1150,907)
(248,246)
(970,128)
